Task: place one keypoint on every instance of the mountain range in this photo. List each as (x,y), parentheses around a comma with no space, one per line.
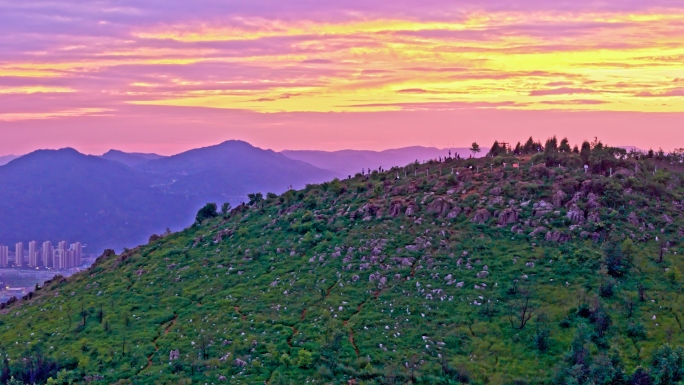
(118,200)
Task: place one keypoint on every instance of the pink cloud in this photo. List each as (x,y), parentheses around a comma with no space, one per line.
(675,92)
(574,102)
(563,91)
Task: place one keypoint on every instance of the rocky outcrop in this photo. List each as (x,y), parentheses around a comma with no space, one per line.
(538,230)
(498,200)
(558,198)
(593,201)
(395,209)
(556,236)
(575,214)
(454,213)
(439,207)
(542,208)
(596,237)
(411,209)
(481,216)
(507,216)
(575,199)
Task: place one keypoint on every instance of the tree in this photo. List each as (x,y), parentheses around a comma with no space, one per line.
(564,146)
(551,145)
(225,209)
(304,358)
(206,212)
(255,198)
(667,365)
(475,148)
(585,151)
(521,309)
(495,150)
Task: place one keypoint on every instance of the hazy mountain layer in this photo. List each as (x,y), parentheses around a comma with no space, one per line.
(130,158)
(65,195)
(350,162)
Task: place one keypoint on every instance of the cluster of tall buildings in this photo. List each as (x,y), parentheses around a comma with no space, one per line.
(61,257)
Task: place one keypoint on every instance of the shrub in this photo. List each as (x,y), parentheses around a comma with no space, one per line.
(206,212)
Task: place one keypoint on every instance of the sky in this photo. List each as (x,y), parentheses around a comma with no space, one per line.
(167,76)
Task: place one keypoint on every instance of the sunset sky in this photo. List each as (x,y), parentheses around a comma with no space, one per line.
(165,76)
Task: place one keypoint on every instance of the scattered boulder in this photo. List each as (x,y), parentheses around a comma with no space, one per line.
(556,236)
(411,209)
(593,201)
(542,208)
(395,209)
(174,355)
(537,231)
(557,199)
(439,207)
(575,199)
(454,213)
(507,216)
(575,214)
(495,191)
(481,216)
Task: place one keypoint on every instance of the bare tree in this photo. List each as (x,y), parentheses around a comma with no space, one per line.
(412,365)
(662,245)
(629,306)
(521,311)
(642,291)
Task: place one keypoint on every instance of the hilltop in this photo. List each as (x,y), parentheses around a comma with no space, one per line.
(516,268)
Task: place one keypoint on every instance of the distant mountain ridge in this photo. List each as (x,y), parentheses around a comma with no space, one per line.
(350,162)
(118,200)
(6,159)
(229,171)
(130,158)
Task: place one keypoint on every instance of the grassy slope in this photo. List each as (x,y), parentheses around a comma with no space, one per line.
(272,286)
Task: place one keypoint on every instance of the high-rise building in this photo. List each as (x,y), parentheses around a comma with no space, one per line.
(19,254)
(33,254)
(47,254)
(76,253)
(4,256)
(58,259)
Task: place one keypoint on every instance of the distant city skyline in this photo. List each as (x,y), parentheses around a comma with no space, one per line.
(64,256)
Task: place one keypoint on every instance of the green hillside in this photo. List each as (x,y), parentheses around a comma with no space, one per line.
(459,271)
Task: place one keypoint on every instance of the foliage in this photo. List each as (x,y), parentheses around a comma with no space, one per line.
(206,212)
